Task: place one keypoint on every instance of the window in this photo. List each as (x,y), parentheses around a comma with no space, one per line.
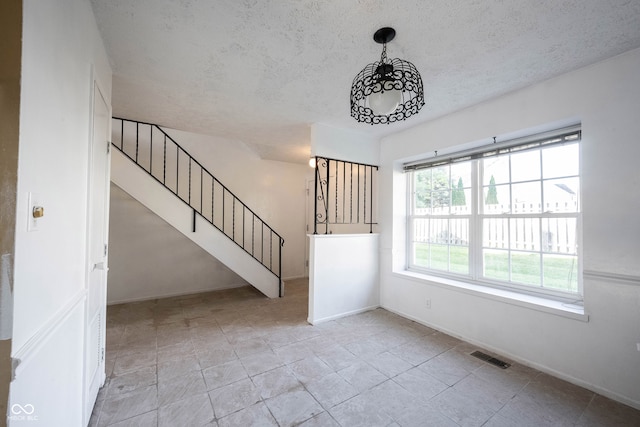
(506,216)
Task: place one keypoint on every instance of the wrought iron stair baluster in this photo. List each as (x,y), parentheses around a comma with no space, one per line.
(197,205)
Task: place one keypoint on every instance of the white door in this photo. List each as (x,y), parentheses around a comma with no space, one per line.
(98,199)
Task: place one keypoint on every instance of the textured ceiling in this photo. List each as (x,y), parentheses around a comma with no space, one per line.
(261,72)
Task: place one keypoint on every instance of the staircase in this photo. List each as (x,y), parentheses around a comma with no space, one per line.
(153,168)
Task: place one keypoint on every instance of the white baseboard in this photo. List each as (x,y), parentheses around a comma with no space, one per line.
(294,278)
(338,316)
(173,294)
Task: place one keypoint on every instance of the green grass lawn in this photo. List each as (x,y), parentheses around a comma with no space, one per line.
(558,271)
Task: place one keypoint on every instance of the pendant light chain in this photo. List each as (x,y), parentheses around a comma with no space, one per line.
(383,55)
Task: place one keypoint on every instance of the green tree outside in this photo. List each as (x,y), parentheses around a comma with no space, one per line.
(457,195)
(432,188)
(492,194)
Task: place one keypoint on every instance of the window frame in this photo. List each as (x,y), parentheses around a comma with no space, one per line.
(477,216)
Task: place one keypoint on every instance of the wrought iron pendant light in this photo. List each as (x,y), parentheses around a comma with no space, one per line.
(388,90)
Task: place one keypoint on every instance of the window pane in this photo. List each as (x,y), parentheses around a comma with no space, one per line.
(459,259)
(525,234)
(459,232)
(460,201)
(496,199)
(442,244)
(559,235)
(461,171)
(422,191)
(440,178)
(560,272)
(526,197)
(560,161)
(459,249)
(421,255)
(460,188)
(421,230)
(439,257)
(496,264)
(525,166)
(423,179)
(561,195)
(495,233)
(423,210)
(525,268)
(496,169)
(439,230)
(461,175)
(440,201)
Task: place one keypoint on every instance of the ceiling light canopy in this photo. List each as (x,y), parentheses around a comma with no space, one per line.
(388,90)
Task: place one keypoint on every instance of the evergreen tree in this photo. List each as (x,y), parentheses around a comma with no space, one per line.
(492,194)
(457,196)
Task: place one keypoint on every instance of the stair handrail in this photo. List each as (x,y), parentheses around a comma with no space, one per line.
(204,172)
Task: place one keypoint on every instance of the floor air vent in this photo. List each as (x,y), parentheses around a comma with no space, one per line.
(489,359)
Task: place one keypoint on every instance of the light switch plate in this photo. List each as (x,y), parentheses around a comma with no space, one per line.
(32,223)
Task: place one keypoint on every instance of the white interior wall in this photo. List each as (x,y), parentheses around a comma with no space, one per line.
(151,259)
(61,47)
(344,144)
(601,353)
(274,190)
(343,275)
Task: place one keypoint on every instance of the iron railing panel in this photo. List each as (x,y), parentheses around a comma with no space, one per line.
(344,196)
(158,154)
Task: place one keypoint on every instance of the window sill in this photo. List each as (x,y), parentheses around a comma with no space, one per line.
(538,303)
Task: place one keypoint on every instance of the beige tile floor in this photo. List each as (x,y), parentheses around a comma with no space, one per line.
(235,358)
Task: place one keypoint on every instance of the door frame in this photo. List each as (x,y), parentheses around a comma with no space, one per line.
(90,393)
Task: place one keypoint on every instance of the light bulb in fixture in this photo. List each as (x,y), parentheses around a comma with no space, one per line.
(385,103)
(312,162)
